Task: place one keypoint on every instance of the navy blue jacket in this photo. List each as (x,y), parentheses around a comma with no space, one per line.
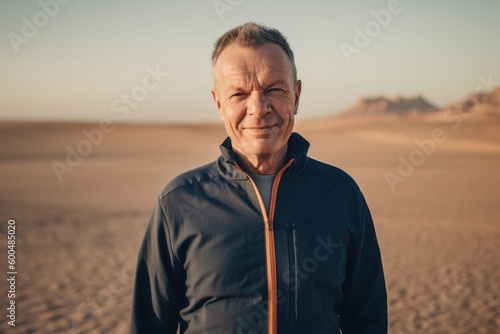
(212,262)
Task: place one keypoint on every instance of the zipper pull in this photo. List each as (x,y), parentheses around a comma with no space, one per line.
(270,224)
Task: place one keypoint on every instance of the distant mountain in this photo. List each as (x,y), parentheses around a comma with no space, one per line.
(486,103)
(399,105)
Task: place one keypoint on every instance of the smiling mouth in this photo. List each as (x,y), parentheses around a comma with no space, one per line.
(262,130)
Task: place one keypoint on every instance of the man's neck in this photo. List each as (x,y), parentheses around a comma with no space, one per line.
(263,164)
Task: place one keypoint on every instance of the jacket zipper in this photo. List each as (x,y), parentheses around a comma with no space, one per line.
(272,281)
(293,267)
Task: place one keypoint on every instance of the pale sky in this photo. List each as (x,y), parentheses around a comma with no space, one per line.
(84,56)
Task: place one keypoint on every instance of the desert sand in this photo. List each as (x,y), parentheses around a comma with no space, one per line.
(437,218)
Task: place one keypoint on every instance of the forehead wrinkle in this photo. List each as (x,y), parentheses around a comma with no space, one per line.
(235,78)
(238,80)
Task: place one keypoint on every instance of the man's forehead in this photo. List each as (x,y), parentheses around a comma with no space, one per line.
(237,62)
(248,52)
(240,73)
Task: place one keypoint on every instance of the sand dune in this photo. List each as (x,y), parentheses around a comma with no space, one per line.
(77,239)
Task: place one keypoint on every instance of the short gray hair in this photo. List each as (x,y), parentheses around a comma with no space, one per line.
(253,35)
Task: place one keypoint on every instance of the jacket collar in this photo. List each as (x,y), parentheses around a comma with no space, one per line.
(297,149)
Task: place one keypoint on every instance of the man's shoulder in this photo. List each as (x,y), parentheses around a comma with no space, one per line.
(191,177)
(329,172)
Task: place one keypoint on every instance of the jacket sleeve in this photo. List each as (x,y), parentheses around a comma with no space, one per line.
(158,282)
(363,309)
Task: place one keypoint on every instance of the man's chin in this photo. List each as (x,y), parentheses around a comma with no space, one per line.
(263,146)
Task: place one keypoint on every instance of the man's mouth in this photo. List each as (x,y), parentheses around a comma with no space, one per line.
(262,130)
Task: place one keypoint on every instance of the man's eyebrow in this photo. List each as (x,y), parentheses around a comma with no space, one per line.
(239,87)
(277,82)
(272,83)
(235,87)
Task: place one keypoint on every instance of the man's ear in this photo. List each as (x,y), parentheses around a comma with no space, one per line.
(298,89)
(217,103)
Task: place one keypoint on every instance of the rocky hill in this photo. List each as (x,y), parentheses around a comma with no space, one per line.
(487,103)
(399,105)
(479,102)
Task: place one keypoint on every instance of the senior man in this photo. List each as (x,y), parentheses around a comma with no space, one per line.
(264,239)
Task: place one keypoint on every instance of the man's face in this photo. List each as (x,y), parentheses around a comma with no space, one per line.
(257,98)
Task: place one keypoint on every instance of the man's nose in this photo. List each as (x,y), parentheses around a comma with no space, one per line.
(258,104)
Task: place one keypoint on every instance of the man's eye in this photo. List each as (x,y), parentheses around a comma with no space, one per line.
(240,94)
(275,90)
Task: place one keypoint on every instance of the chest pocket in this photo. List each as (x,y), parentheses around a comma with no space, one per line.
(309,253)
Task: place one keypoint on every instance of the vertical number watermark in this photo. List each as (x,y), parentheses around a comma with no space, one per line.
(11,271)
